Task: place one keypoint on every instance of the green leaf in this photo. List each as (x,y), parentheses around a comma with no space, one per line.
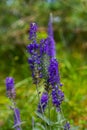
(44,118)
(41,126)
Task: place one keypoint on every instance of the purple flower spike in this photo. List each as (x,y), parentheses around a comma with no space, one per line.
(10,87)
(43,102)
(32,31)
(17,120)
(67,126)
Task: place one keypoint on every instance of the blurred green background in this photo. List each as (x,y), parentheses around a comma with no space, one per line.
(70,32)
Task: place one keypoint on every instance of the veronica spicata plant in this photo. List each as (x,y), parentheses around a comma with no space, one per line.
(11,94)
(45,68)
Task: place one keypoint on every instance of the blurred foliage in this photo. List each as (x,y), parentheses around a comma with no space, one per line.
(70,32)
(69,18)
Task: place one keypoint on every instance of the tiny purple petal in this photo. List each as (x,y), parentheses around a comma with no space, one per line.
(61,84)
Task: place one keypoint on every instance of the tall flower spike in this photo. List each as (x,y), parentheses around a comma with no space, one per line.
(17,120)
(32,31)
(10,87)
(43,102)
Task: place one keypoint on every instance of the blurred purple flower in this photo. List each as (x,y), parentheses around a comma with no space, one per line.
(10,87)
(67,126)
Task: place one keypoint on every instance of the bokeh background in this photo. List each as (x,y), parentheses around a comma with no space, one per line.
(70,32)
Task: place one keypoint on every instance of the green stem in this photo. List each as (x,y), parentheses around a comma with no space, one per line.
(49,112)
